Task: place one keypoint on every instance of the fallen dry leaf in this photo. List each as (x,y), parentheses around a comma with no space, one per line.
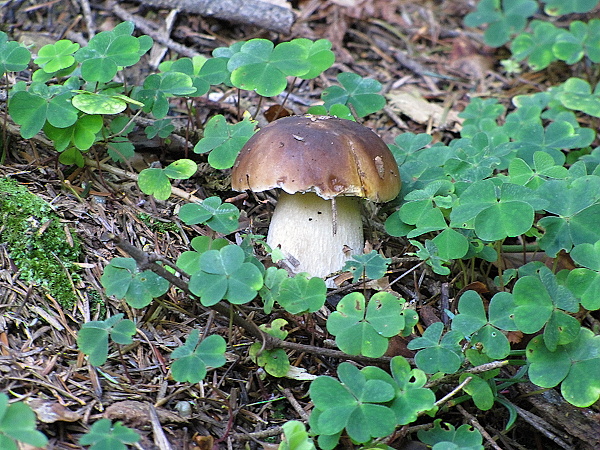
(408,101)
(50,411)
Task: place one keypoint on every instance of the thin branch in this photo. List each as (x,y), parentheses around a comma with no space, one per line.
(251,12)
(134,177)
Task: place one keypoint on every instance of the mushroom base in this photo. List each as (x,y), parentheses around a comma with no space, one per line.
(303,227)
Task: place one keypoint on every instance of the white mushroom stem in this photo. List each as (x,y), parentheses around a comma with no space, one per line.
(303,227)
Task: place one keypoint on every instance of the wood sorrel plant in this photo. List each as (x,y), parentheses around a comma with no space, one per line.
(529,172)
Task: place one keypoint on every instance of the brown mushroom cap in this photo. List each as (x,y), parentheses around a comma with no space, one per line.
(321,154)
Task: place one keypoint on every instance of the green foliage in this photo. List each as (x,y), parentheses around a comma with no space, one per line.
(13,57)
(411,397)
(157,89)
(544,43)
(371,265)
(362,329)
(224,140)
(191,360)
(463,438)
(362,94)
(561,7)
(367,403)
(161,128)
(437,353)
(355,403)
(261,66)
(503,19)
(109,50)
(295,437)
(92,339)
(584,282)
(275,361)
(103,435)
(54,57)
(576,204)
(272,281)
(576,94)
(122,279)
(37,242)
(17,424)
(574,366)
(155,181)
(225,274)
(473,322)
(221,217)
(189,261)
(301,294)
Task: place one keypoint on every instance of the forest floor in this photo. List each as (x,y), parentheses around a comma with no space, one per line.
(430,66)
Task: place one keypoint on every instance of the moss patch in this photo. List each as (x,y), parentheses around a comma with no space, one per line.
(36,241)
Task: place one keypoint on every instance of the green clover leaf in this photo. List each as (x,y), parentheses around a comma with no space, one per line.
(371,265)
(262,67)
(224,274)
(224,140)
(353,404)
(495,212)
(295,437)
(319,55)
(191,360)
(540,302)
(503,19)
(576,365)
(585,282)
(437,354)
(577,94)
(361,93)
(18,423)
(92,339)
(472,321)
(104,435)
(463,438)
(13,56)
(364,330)
(411,397)
(221,217)
(122,279)
(54,57)
(109,50)
(536,46)
(576,206)
(301,294)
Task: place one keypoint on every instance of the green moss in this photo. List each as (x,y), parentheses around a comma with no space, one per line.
(39,249)
(156,225)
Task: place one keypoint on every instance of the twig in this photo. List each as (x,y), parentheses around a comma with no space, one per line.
(454,391)
(134,177)
(269,432)
(250,12)
(542,426)
(297,407)
(478,369)
(89,20)
(473,420)
(154,34)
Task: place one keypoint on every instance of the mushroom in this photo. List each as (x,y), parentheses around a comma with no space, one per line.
(323,165)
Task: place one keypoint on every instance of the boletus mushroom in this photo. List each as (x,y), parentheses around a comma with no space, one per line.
(324,166)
